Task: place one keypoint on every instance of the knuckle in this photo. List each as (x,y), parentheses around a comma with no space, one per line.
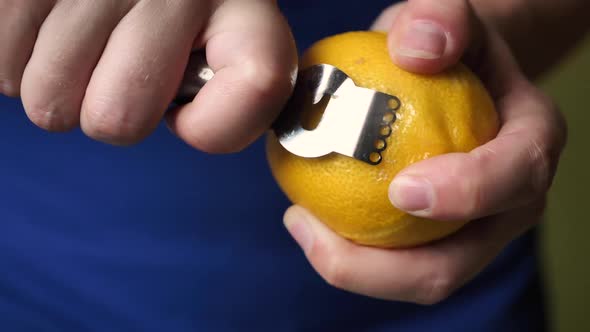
(332,266)
(436,286)
(541,173)
(52,117)
(336,274)
(555,125)
(560,127)
(51,99)
(111,123)
(547,138)
(545,147)
(10,75)
(9,87)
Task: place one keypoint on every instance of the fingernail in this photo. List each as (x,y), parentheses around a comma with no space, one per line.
(412,194)
(300,230)
(422,40)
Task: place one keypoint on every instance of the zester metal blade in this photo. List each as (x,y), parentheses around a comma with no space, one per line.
(356,121)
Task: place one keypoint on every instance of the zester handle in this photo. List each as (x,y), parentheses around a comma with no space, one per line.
(197,73)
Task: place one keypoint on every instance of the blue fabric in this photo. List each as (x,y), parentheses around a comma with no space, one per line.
(159,237)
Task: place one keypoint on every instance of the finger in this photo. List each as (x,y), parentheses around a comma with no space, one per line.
(385,20)
(428,36)
(140,70)
(19,25)
(68,46)
(424,275)
(255,62)
(515,168)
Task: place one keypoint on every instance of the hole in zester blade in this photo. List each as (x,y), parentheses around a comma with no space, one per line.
(379,144)
(385,131)
(375,157)
(393,103)
(312,115)
(388,117)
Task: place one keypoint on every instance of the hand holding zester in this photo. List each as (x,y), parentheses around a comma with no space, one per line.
(113,67)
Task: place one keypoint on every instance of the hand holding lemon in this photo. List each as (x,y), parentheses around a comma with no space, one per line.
(443,113)
(465,161)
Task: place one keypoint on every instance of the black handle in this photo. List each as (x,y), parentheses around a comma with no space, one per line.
(197,73)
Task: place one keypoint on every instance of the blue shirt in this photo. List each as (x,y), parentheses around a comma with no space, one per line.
(160,237)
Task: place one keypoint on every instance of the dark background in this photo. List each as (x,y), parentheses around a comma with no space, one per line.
(566,244)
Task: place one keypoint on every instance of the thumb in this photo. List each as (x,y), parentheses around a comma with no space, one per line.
(427,36)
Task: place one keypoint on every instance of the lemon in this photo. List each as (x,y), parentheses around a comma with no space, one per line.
(443,113)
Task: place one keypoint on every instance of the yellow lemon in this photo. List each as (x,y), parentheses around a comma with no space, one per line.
(447,112)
